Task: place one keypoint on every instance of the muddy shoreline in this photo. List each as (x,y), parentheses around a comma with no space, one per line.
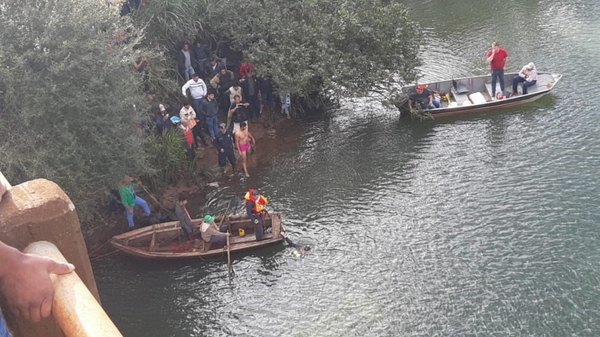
(272,138)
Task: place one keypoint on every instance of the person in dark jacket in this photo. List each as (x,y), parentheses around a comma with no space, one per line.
(224,144)
(213,68)
(182,214)
(201,54)
(251,90)
(210,109)
(267,99)
(184,62)
(237,114)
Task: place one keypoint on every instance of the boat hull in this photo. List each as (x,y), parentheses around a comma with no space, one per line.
(164,241)
(474,94)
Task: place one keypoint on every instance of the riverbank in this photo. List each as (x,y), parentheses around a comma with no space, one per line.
(273,136)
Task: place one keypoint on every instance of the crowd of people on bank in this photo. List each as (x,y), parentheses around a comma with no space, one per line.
(217,110)
(218,105)
(497,58)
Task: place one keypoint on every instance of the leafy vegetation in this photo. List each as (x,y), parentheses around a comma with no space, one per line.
(346,46)
(71,104)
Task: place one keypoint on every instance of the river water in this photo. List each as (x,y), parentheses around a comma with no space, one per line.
(481,225)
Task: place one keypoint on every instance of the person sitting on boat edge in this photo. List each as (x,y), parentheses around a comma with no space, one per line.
(255,208)
(129,200)
(182,214)
(211,233)
(527,76)
(424,97)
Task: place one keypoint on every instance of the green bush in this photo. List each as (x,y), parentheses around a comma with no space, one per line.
(346,45)
(72,106)
(167,155)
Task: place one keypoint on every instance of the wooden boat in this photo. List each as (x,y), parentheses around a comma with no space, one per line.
(166,240)
(474,94)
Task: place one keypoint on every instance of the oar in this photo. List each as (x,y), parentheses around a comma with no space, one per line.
(153,197)
(229,266)
(287,240)
(229,256)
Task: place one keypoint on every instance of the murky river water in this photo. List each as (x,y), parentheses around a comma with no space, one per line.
(484,225)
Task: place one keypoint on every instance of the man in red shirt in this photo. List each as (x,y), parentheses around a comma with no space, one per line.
(497,58)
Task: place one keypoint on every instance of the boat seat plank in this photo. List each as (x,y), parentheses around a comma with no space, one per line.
(248,238)
(477,98)
(461,88)
(460,98)
(488,87)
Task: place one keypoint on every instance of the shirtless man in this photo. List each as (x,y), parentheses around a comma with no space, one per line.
(244,141)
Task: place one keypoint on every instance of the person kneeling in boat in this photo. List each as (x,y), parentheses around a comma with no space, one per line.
(211,233)
(424,97)
(527,76)
(255,208)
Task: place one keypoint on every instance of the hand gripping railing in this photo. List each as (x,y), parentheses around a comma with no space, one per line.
(75,309)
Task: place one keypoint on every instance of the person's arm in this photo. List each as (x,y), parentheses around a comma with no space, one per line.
(203,87)
(532,76)
(214,82)
(185,87)
(229,115)
(490,55)
(211,230)
(26,284)
(4,185)
(410,104)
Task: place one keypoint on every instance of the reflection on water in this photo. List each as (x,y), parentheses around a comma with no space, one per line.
(479,225)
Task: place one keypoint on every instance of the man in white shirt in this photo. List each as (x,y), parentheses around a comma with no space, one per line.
(197,89)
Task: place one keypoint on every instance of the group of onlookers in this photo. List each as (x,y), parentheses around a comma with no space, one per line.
(219,103)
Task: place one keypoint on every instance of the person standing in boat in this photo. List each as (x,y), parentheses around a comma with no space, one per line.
(424,97)
(497,58)
(211,233)
(129,200)
(182,214)
(255,208)
(527,76)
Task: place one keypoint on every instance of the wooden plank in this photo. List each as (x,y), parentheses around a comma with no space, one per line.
(459,98)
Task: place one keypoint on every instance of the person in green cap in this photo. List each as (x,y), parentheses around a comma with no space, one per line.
(211,233)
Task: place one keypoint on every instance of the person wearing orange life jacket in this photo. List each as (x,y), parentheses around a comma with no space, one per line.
(255,208)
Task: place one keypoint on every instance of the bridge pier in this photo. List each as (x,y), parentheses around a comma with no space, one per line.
(39,210)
